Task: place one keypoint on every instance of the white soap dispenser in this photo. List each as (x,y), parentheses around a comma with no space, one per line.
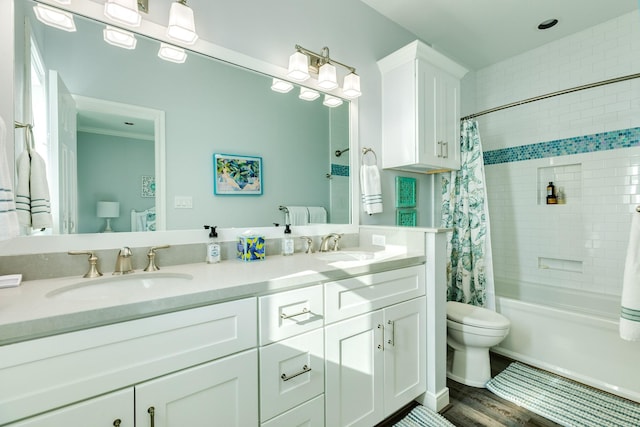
(287,241)
(213,247)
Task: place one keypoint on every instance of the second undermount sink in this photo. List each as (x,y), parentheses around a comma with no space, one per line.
(120,286)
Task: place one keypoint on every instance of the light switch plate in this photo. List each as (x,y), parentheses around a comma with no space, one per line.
(183,202)
(378,240)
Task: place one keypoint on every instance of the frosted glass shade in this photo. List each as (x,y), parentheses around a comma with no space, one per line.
(120,38)
(327,77)
(331,101)
(55,18)
(108,209)
(281,86)
(172,53)
(181,26)
(351,86)
(298,67)
(308,94)
(123,11)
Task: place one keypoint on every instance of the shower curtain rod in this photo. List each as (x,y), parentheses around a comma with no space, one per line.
(552,94)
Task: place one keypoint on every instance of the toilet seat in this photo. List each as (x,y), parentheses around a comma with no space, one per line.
(478,317)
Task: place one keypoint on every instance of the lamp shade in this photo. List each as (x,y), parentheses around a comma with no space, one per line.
(55,18)
(123,11)
(308,94)
(331,101)
(172,53)
(351,86)
(281,86)
(108,209)
(182,26)
(327,77)
(298,67)
(117,37)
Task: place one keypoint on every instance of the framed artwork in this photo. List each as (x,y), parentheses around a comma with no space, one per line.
(237,175)
(406,217)
(148,186)
(405,192)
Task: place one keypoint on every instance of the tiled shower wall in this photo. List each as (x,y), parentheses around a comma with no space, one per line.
(573,140)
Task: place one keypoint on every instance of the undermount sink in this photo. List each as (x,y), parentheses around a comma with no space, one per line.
(119,286)
(346,256)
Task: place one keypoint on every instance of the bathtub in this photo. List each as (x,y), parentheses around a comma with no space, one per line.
(571,333)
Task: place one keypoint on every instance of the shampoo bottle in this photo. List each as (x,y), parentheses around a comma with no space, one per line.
(213,247)
(287,241)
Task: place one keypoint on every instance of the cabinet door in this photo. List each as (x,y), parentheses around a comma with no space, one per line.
(113,409)
(309,414)
(404,353)
(221,393)
(354,364)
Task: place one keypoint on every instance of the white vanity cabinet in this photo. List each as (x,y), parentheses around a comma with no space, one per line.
(420,110)
(375,351)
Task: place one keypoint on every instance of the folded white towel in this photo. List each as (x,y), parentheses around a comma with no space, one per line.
(298,215)
(630,310)
(8,217)
(317,215)
(371,189)
(40,199)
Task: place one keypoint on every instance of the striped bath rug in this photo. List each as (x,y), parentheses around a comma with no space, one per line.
(423,417)
(561,400)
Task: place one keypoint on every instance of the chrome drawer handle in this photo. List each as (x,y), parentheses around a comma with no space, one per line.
(152,415)
(117,422)
(305,369)
(288,316)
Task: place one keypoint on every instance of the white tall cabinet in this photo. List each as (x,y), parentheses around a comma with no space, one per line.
(420,110)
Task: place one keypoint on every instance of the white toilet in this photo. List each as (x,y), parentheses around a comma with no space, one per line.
(471,331)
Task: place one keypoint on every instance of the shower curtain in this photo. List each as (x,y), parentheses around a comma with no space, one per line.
(465,211)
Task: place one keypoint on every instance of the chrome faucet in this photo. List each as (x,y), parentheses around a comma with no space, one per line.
(123,262)
(308,244)
(333,237)
(152,266)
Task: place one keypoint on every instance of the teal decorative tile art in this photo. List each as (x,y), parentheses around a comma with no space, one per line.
(406,217)
(405,192)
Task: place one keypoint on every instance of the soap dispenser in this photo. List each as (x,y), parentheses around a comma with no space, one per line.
(287,241)
(213,247)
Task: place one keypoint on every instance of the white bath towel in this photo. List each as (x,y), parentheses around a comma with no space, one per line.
(630,310)
(371,189)
(317,215)
(33,203)
(8,216)
(298,215)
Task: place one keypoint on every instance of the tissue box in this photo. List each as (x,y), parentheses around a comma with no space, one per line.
(251,248)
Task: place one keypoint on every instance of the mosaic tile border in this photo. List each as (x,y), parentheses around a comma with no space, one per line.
(339,170)
(612,140)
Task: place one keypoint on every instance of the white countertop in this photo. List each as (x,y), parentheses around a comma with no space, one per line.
(37,308)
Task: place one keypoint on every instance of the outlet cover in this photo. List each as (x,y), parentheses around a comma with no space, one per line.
(378,240)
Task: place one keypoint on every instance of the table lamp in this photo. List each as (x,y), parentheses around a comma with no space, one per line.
(108,210)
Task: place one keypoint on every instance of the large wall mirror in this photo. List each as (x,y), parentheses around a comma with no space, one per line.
(130,128)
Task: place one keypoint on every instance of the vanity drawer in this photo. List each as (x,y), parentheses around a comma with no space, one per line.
(47,373)
(291,372)
(362,294)
(286,314)
(309,414)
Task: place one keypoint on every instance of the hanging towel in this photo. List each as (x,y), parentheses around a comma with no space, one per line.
(298,215)
(33,203)
(630,310)
(371,189)
(8,216)
(143,221)
(317,215)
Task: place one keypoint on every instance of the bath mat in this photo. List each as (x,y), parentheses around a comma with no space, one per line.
(561,400)
(423,417)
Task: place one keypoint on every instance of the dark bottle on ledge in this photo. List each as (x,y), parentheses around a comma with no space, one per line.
(551,194)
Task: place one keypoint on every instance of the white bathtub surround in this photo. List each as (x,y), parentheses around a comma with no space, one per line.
(465,210)
(630,310)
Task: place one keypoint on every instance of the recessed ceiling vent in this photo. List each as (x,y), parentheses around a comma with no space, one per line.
(545,25)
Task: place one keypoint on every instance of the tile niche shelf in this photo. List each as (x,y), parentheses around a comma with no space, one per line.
(566,177)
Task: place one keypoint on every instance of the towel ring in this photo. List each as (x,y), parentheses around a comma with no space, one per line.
(366,151)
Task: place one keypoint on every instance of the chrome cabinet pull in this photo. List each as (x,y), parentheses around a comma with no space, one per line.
(284,377)
(392,341)
(117,422)
(381,346)
(152,413)
(288,316)
(445,149)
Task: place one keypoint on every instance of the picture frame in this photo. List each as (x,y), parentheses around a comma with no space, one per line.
(237,175)
(406,217)
(405,192)
(148,186)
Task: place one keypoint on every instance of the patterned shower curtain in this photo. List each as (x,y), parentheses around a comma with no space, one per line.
(465,210)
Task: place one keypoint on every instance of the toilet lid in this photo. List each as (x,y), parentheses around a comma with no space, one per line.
(476,316)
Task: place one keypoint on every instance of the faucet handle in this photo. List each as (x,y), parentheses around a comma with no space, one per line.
(93,263)
(309,242)
(152,266)
(336,240)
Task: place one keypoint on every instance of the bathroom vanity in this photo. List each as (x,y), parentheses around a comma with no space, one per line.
(338,338)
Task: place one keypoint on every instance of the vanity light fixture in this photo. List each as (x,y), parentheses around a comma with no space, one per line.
(54,17)
(331,101)
(121,38)
(308,94)
(172,54)
(304,62)
(281,86)
(123,11)
(182,26)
